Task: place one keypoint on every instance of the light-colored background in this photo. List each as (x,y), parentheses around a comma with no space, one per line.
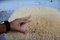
(10,5)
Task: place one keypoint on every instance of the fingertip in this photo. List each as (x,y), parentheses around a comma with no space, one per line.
(27,17)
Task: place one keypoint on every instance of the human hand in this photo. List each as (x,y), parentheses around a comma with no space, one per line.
(16,25)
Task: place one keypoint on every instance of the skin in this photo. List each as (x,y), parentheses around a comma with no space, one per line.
(16,25)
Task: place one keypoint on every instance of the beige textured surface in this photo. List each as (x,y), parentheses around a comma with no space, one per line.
(44,25)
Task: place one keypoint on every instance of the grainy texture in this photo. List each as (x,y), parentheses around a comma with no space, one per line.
(4,15)
(44,25)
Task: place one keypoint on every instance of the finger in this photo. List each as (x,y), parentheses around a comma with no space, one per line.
(22,30)
(24,22)
(24,18)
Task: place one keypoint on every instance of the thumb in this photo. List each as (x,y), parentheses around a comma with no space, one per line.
(22,29)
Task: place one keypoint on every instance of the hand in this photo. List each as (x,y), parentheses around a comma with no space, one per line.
(16,25)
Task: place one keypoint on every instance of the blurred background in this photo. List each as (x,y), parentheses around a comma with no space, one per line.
(12,4)
(8,6)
